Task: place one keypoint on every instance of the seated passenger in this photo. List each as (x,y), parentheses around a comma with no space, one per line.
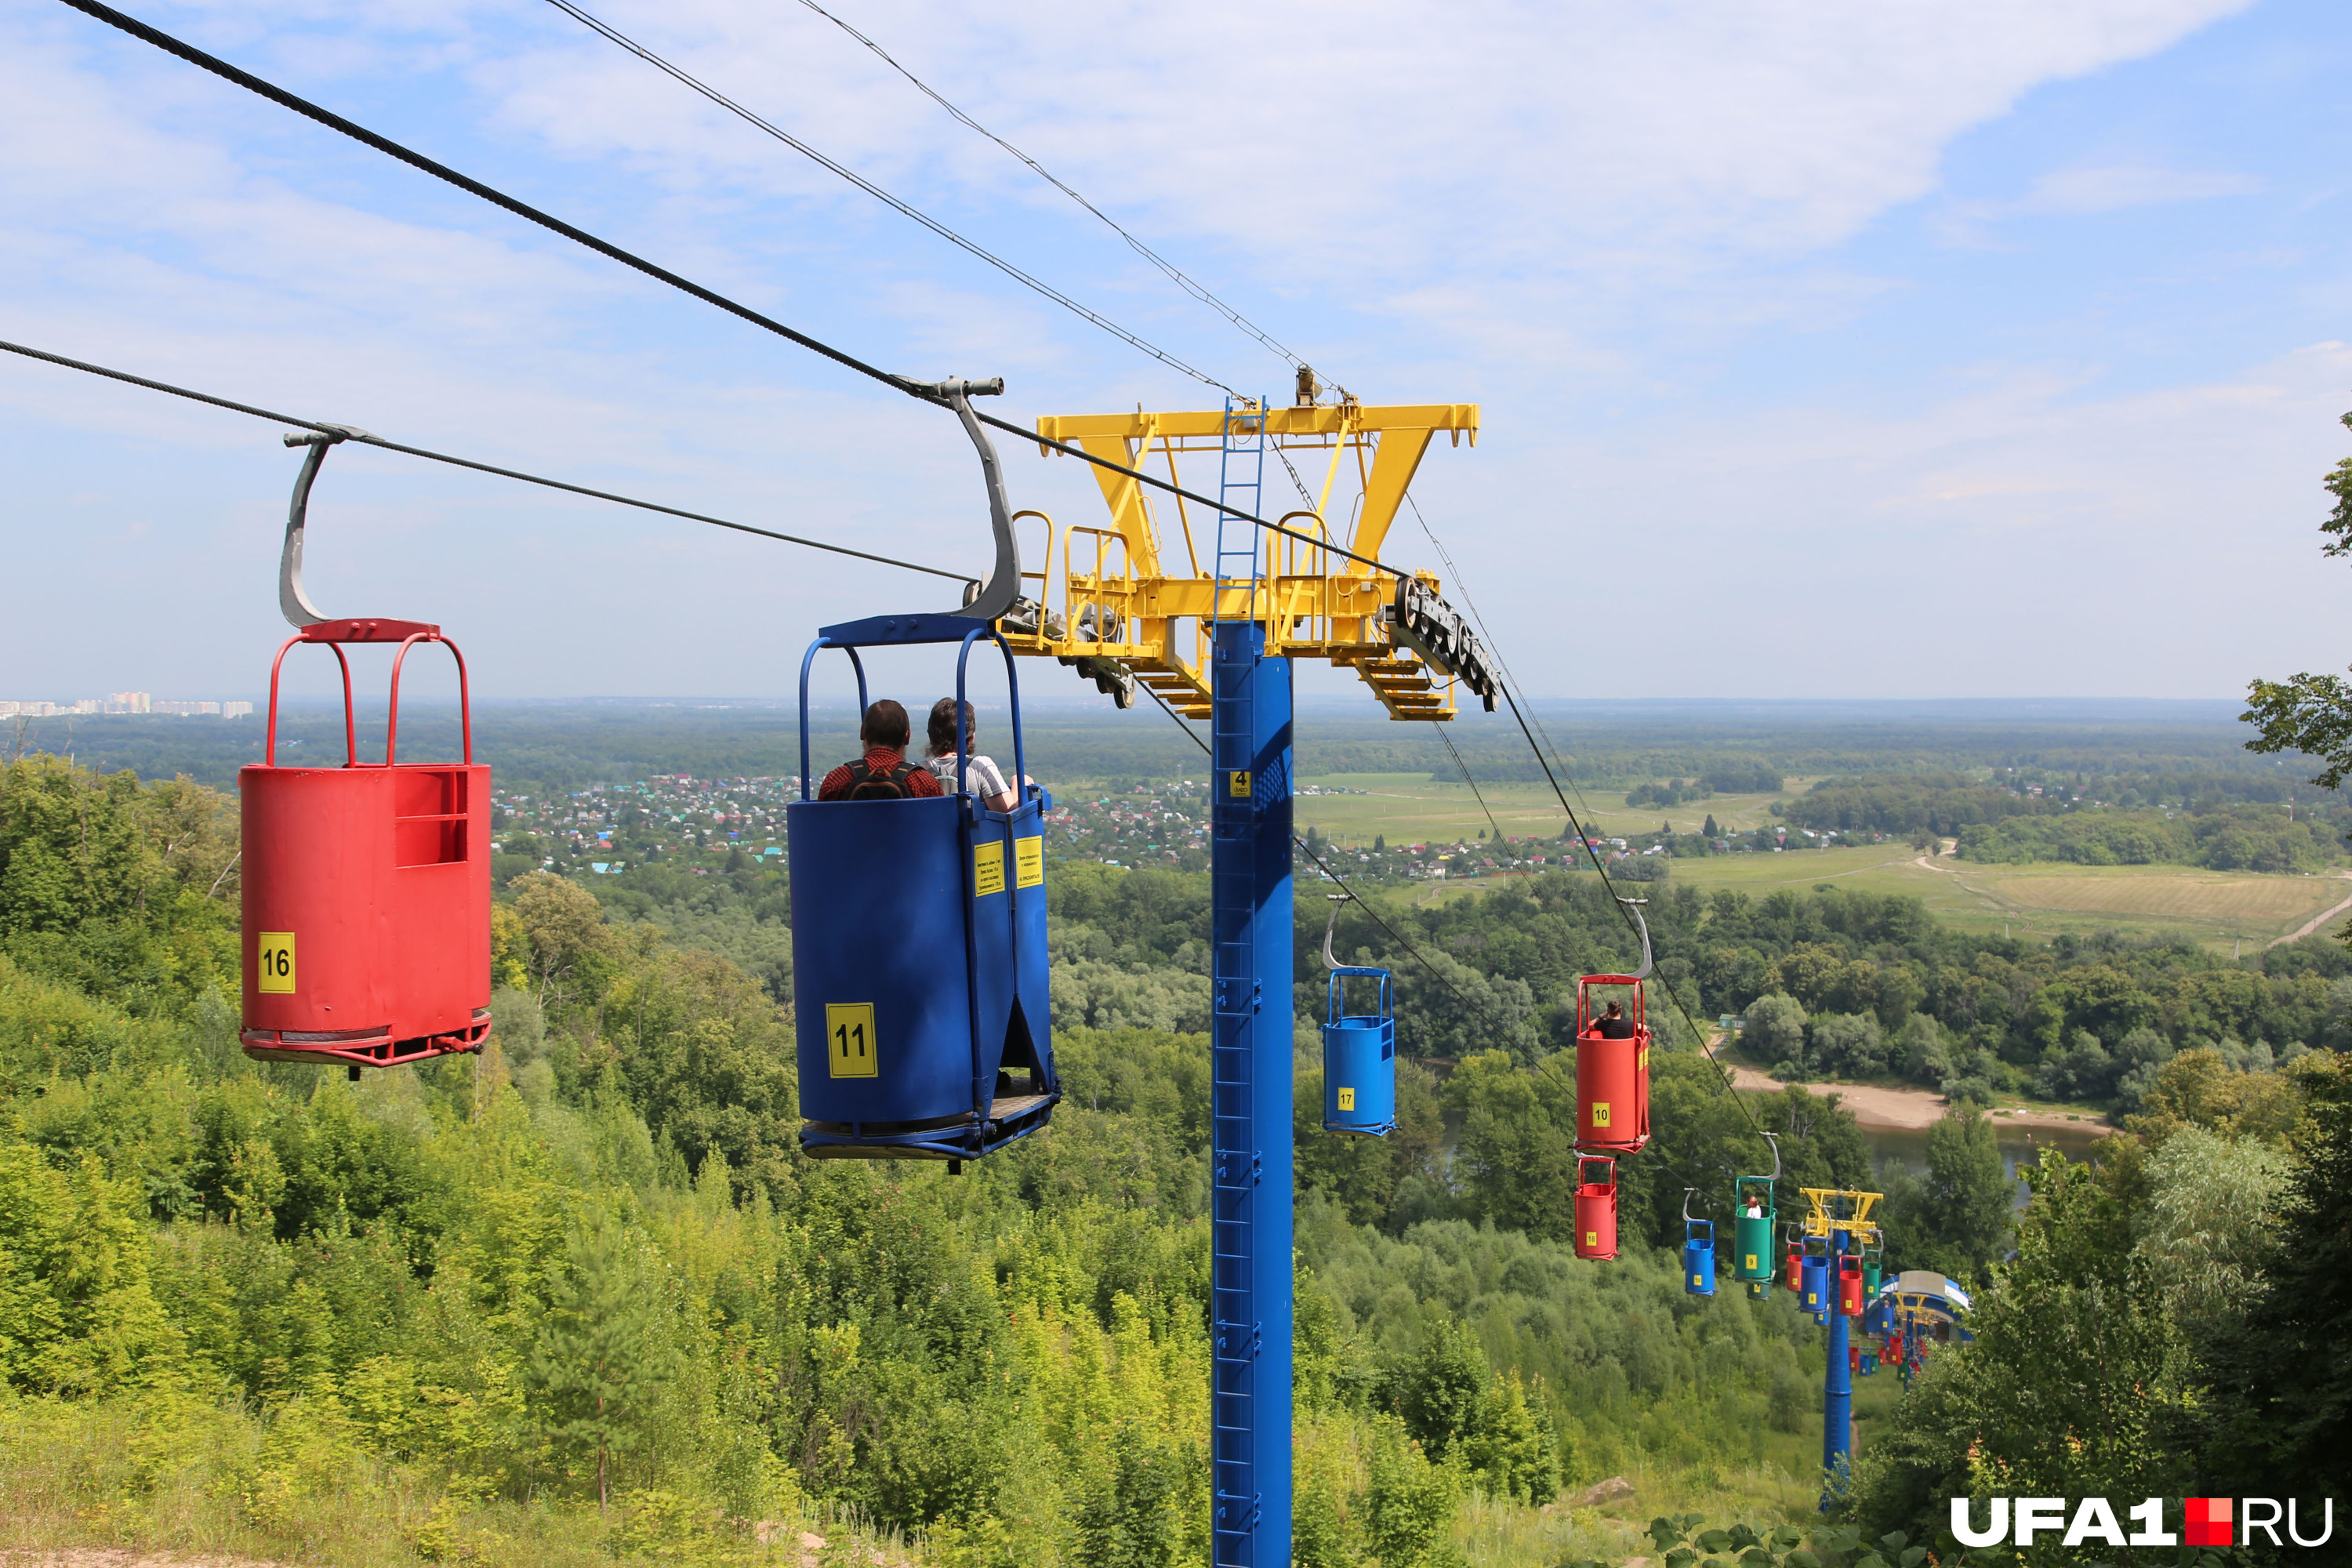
(980,777)
(1614,1024)
(884,772)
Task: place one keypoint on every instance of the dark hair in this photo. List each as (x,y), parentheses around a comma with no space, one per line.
(943,717)
(885,725)
(1614,1007)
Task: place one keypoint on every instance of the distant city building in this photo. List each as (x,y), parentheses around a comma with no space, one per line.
(120,702)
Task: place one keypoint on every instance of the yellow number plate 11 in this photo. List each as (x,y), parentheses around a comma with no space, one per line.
(850,1048)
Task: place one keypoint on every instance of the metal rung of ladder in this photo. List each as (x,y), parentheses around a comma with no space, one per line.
(1241,485)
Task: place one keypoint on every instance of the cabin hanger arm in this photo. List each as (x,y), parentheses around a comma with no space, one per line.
(292,602)
(994,596)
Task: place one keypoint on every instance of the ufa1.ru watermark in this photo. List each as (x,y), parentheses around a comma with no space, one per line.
(2204,1521)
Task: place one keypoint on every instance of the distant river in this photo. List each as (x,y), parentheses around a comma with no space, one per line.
(1907,1148)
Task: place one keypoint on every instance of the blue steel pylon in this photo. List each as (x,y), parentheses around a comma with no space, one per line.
(1837,1386)
(1250,1130)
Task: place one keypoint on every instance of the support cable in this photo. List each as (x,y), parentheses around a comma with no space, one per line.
(336,122)
(347,433)
(1026,279)
(1358,898)
(1477,794)
(1726,1083)
(1174,274)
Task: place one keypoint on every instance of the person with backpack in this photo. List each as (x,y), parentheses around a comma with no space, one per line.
(981,774)
(884,772)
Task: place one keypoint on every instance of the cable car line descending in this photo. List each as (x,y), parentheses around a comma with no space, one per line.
(339,433)
(1174,274)
(1725,1081)
(522,209)
(1358,898)
(1476,794)
(1026,280)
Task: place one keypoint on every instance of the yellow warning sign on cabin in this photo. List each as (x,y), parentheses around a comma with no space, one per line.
(988,868)
(1028,862)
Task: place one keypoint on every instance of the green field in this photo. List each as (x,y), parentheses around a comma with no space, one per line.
(1409,808)
(2229,911)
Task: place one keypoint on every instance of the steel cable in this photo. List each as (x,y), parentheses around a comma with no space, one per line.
(347,433)
(835,166)
(336,122)
(1174,274)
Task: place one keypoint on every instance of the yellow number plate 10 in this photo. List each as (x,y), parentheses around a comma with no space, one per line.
(850,1047)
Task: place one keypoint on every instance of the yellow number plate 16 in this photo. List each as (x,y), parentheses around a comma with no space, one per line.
(273,956)
(849,1044)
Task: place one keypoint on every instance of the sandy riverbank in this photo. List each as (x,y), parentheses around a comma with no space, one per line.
(1903,1109)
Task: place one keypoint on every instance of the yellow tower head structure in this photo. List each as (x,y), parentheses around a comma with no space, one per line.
(1116,601)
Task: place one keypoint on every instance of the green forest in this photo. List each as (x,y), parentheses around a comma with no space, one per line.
(580,1299)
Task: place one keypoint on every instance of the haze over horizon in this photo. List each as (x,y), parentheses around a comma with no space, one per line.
(1824,351)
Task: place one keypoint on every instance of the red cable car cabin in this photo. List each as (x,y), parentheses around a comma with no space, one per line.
(1850,1300)
(367,888)
(1596,1208)
(1612,1073)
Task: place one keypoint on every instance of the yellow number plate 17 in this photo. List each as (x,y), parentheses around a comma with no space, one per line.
(850,1047)
(274,957)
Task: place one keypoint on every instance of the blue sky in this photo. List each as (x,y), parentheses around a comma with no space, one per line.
(1826,348)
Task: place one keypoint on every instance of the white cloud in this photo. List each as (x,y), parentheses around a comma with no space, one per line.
(2073,191)
(1376,144)
(2020,535)
(1472,202)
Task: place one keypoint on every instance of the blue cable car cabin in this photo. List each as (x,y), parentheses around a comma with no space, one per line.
(920,991)
(1816,1277)
(1359,1049)
(1359,1058)
(1698,1256)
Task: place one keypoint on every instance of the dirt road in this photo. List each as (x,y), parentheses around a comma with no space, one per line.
(2315,922)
